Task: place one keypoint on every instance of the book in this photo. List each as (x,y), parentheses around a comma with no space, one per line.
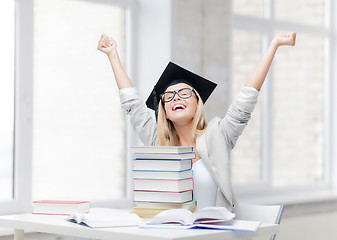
(162,149)
(104,217)
(233,225)
(180,156)
(162,165)
(163,175)
(60,207)
(147,212)
(166,197)
(205,215)
(164,205)
(163,185)
(146,174)
(149,209)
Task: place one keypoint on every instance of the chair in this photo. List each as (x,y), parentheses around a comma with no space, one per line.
(261,213)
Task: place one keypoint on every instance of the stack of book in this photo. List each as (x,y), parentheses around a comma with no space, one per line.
(162,179)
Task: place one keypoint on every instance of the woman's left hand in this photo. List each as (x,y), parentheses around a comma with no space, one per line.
(285,39)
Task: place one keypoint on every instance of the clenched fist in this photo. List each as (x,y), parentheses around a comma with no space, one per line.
(106,44)
(286,39)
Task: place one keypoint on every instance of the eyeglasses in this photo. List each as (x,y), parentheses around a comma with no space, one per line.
(168,96)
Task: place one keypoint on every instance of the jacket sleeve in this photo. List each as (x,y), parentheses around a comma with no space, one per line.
(238,115)
(142,118)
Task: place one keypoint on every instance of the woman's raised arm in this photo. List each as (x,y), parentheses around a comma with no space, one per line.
(259,75)
(109,47)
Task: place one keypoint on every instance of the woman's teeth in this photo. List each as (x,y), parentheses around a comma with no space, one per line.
(178,106)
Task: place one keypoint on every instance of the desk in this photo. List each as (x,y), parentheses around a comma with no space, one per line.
(58,225)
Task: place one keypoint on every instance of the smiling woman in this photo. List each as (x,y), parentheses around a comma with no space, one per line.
(180,123)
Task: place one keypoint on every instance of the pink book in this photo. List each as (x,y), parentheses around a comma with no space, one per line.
(60,207)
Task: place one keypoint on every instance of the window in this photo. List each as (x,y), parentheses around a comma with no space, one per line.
(68,130)
(246,53)
(283,144)
(78,125)
(7,100)
(16,106)
(301,140)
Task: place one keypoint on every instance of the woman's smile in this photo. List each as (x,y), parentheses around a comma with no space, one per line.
(178,107)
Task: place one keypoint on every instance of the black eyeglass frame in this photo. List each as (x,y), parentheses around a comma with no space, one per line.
(177,92)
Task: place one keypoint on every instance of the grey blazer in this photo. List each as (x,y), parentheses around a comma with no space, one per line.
(214,146)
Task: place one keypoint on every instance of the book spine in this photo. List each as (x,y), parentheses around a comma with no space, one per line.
(168,156)
(161,149)
(163,165)
(162,174)
(163,197)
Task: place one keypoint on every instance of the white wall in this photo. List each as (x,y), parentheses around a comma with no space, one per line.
(199,37)
(153,43)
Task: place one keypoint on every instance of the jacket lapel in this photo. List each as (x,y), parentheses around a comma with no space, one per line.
(201,147)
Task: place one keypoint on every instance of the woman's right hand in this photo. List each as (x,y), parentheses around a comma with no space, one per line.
(285,39)
(106,44)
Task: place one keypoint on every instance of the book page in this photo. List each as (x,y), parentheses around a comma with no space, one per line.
(235,225)
(219,213)
(104,217)
(172,216)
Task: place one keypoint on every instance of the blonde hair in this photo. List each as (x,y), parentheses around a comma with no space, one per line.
(167,134)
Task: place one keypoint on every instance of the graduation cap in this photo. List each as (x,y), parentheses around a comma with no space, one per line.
(174,74)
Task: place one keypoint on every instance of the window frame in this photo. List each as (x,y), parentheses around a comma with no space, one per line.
(22,154)
(22,157)
(263,191)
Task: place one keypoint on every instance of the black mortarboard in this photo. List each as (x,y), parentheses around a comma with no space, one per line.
(174,74)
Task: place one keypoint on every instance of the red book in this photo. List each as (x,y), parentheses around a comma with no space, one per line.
(60,207)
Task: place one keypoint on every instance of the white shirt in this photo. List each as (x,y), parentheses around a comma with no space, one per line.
(205,188)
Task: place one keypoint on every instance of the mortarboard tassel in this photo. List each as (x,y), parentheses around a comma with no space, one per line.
(155,104)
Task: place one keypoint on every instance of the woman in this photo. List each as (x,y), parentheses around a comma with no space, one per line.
(179,96)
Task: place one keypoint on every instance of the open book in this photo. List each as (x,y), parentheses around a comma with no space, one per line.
(209,217)
(104,217)
(186,217)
